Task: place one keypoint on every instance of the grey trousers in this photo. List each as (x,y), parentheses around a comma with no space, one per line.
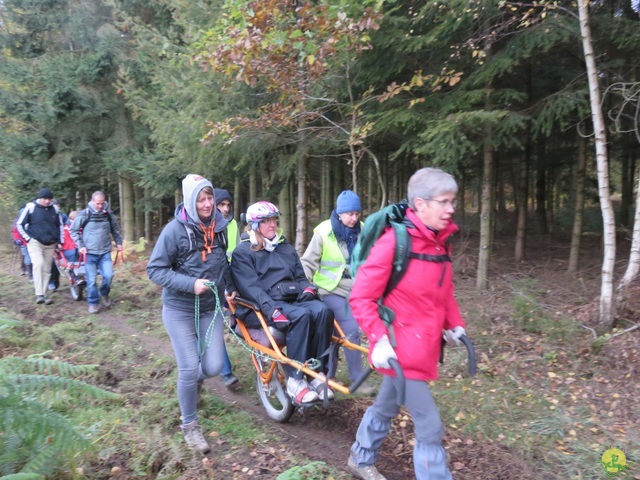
(351,329)
(180,326)
(429,458)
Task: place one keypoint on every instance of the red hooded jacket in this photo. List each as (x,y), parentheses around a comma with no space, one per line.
(423,301)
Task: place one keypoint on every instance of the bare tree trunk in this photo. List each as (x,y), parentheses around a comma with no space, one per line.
(236,199)
(147,215)
(576,234)
(608,220)
(139,213)
(127,213)
(523,205)
(486,207)
(326,200)
(622,291)
(541,192)
(253,185)
(301,207)
(284,204)
(379,173)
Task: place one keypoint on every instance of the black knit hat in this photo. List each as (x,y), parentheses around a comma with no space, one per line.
(45,193)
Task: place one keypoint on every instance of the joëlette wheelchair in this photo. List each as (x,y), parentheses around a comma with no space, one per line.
(73,272)
(266,346)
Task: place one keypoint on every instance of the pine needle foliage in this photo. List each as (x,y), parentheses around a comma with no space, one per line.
(35,438)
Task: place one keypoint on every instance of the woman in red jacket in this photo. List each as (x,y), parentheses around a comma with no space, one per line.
(425,311)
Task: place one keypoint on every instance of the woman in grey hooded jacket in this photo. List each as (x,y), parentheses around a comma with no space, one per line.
(190,252)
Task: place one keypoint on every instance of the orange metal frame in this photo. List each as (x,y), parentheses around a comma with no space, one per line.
(275,352)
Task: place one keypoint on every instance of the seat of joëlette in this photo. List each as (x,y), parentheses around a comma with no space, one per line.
(259,335)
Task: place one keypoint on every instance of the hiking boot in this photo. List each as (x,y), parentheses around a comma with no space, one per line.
(48,301)
(300,391)
(367,390)
(194,438)
(94,309)
(39,299)
(367,472)
(229,380)
(318,384)
(106,301)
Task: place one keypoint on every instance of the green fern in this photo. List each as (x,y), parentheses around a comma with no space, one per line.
(35,438)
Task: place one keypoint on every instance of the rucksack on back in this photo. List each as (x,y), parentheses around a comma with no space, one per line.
(375,225)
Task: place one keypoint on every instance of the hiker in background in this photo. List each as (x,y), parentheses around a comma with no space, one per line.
(18,241)
(54,281)
(190,253)
(268,272)
(92,231)
(425,312)
(69,247)
(224,204)
(40,225)
(326,264)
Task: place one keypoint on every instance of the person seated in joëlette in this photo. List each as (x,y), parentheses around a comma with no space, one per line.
(267,271)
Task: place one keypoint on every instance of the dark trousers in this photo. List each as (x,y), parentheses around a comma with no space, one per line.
(309,332)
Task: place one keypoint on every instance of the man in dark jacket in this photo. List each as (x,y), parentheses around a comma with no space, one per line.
(92,231)
(41,227)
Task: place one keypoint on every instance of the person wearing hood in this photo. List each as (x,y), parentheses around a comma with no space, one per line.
(224,204)
(92,231)
(188,257)
(41,227)
(268,272)
(326,263)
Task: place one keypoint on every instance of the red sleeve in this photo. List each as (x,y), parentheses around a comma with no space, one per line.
(370,283)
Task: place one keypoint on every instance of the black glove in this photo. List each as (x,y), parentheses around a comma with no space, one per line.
(307,295)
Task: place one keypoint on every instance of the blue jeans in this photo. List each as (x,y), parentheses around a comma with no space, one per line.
(25,253)
(104,265)
(180,326)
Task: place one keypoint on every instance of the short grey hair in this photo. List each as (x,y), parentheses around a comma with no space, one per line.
(428,183)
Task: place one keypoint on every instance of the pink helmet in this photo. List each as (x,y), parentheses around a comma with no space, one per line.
(261,210)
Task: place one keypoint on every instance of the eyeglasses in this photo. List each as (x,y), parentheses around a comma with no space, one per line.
(443,203)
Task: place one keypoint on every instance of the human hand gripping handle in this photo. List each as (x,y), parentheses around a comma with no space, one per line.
(453,335)
(382,353)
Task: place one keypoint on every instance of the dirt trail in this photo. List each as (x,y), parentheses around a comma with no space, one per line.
(314,434)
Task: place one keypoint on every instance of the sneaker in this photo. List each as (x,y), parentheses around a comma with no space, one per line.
(300,391)
(318,384)
(48,301)
(106,301)
(194,438)
(367,472)
(39,299)
(94,309)
(229,380)
(52,287)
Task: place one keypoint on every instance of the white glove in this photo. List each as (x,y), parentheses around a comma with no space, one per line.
(453,336)
(382,353)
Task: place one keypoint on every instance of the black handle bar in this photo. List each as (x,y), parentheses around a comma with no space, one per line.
(471,353)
